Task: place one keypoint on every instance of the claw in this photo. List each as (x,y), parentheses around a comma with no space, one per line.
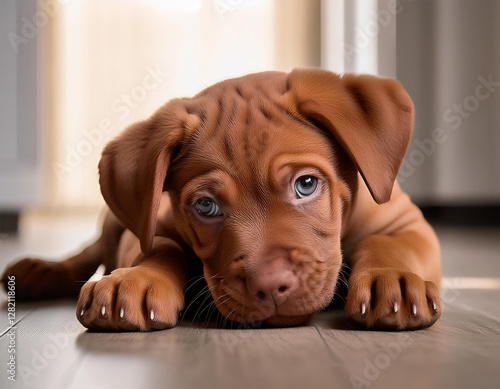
(152,315)
(83,310)
(414,310)
(103,310)
(363,308)
(122,312)
(396,307)
(434,306)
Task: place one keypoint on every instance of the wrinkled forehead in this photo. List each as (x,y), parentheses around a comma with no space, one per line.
(248,137)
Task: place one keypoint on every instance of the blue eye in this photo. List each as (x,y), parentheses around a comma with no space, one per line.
(305,186)
(207,208)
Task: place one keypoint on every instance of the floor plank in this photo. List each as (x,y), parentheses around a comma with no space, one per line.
(187,357)
(45,345)
(461,351)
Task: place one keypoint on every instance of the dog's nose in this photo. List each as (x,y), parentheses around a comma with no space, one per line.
(273,283)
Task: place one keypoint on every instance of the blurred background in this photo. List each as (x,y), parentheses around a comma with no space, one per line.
(74,73)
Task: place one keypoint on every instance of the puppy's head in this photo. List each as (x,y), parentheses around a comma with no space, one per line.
(262,171)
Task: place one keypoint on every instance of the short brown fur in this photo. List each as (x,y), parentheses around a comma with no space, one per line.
(272,254)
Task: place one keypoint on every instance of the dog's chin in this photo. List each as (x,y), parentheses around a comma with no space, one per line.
(287,321)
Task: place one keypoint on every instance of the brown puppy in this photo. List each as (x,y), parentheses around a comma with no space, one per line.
(272,180)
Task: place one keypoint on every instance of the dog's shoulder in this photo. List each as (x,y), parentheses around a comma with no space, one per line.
(369,218)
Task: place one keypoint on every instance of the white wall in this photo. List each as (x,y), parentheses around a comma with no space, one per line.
(119,60)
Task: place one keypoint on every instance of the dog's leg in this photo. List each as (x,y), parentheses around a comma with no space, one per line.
(394,283)
(38,279)
(147,296)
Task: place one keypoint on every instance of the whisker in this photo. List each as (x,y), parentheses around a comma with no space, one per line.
(229,298)
(216,309)
(345,265)
(211,311)
(208,294)
(200,294)
(227,317)
(89,272)
(232,320)
(199,278)
(343,279)
(242,313)
(209,306)
(219,316)
(218,298)
(336,294)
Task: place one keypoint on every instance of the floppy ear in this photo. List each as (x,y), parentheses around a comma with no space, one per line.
(133,168)
(371,118)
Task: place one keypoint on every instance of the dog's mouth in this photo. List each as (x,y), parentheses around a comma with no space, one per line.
(232,300)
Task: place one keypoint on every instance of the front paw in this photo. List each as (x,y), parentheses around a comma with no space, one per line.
(390,299)
(130,299)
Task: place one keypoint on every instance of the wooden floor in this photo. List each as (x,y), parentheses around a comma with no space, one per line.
(461,351)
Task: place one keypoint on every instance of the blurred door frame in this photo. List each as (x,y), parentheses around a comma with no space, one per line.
(21,140)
